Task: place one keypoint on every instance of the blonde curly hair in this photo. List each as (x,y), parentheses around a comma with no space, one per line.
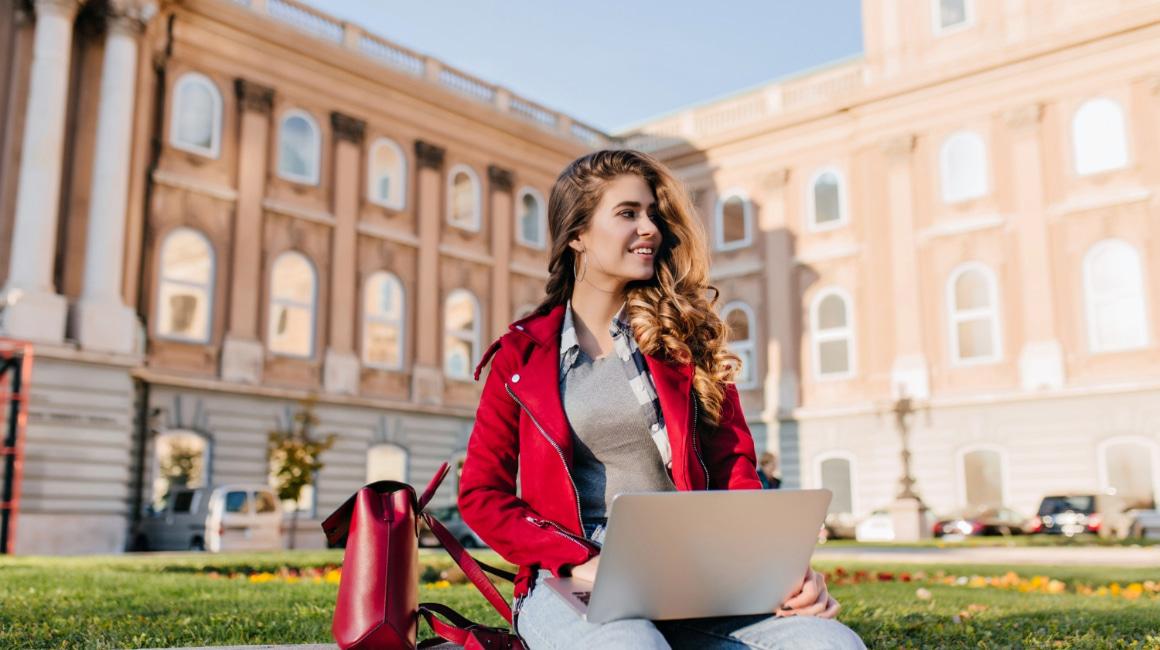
(670,313)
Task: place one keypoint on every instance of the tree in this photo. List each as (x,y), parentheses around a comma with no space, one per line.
(294,456)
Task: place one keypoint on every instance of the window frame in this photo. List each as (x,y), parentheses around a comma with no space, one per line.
(367,318)
(944,167)
(719,220)
(1088,295)
(313,178)
(749,344)
(936,18)
(372,179)
(851,461)
(476,223)
(214,150)
(843,220)
(476,340)
(961,471)
(815,340)
(211,298)
(542,244)
(273,301)
(954,316)
(1125,137)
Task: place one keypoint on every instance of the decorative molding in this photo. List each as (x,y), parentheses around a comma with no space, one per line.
(736,269)
(1024,117)
(960,225)
(194,184)
(66,9)
(129,18)
(528,271)
(1084,202)
(500,178)
(347,128)
(254,96)
(291,210)
(466,255)
(386,234)
(775,180)
(428,155)
(827,253)
(898,147)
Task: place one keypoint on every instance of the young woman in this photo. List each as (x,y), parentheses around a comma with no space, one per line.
(620,381)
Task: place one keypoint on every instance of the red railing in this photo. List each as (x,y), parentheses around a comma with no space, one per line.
(15,371)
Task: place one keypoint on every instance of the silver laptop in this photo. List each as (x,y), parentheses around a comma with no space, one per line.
(673,555)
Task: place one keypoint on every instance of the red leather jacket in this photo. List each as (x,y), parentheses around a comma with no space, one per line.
(520,424)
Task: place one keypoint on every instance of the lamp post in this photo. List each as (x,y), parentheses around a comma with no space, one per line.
(907,512)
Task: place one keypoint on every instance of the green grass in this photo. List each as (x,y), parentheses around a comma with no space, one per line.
(166,600)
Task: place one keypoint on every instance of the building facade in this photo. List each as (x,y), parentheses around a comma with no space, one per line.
(967,214)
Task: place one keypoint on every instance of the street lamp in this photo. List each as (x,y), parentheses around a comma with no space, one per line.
(907,512)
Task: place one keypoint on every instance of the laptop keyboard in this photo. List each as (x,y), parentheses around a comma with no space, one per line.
(583,596)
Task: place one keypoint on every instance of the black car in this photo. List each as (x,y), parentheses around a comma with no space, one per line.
(1073,514)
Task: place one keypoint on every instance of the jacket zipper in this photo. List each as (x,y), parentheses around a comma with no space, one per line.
(559,452)
(558,529)
(697,451)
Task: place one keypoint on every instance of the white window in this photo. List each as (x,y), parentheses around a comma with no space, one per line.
(299,148)
(826,199)
(982,477)
(185,289)
(293,294)
(463,198)
(835,473)
(387,175)
(383,318)
(386,462)
(733,220)
(461,334)
(738,318)
(1113,285)
(180,459)
(531,223)
(1130,468)
(1099,137)
(833,335)
(952,15)
(972,298)
(963,167)
(196,122)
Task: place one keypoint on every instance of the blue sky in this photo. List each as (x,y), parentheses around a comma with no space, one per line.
(612,64)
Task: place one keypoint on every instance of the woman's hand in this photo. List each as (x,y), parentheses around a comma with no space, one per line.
(587,571)
(811,599)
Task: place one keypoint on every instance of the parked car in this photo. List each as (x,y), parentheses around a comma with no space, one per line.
(879,527)
(980,521)
(1072,514)
(234,517)
(1145,523)
(449,517)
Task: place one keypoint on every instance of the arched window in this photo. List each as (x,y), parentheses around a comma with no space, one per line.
(952,15)
(739,318)
(531,224)
(1113,285)
(293,297)
(387,175)
(180,459)
(963,167)
(972,296)
(733,220)
(185,288)
(982,475)
(833,335)
(463,198)
(299,148)
(826,200)
(835,473)
(383,318)
(196,121)
(1099,137)
(1129,468)
(386,462)
(461,334)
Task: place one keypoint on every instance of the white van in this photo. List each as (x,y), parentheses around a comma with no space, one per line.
(234,517)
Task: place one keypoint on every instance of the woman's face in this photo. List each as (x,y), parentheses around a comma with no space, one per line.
(625,221)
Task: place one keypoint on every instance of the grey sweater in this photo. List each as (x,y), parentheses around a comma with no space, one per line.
(613,450)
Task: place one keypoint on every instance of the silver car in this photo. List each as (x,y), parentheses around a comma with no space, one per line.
(235,517)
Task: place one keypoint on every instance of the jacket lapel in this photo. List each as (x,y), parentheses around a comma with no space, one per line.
(673,383)
(539,385)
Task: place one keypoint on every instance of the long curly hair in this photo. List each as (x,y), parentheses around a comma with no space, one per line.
(670,313)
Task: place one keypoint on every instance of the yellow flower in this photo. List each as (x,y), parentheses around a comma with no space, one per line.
(441,584)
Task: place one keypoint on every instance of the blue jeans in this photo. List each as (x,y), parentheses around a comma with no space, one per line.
(546,622)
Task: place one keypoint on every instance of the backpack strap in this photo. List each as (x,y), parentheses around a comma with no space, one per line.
(472,568)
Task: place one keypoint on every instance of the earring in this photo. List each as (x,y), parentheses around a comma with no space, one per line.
(580,276)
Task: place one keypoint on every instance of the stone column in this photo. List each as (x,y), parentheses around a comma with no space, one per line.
(341,366)
(910,374)
(242,352)
(781,378)
(31,308)
(102,321)
(1041,359)
(427,374)
(502,220)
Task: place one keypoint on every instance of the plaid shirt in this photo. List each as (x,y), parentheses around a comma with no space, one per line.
(624,343)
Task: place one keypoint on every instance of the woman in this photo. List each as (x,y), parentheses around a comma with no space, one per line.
(619,381)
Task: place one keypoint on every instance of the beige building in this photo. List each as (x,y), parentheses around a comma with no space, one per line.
(210,209)
(969,214)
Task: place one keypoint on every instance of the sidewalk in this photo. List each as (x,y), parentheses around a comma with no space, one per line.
(1124,556)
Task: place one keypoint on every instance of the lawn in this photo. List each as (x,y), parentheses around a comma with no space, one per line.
(164,600)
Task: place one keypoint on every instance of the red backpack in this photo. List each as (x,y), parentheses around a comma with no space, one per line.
(378,594)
